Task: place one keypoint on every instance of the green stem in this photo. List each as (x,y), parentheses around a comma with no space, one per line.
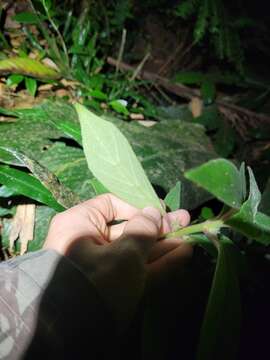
(210,226)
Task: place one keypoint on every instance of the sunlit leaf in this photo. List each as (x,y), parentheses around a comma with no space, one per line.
(28,67)
(113,162)
(221,178)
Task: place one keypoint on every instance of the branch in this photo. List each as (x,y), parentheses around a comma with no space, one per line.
(188,93)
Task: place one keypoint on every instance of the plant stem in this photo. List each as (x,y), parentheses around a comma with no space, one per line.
(210,226)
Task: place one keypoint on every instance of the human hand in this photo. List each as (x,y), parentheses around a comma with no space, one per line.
(117,257)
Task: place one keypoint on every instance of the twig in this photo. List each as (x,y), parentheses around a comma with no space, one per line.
(139,67)
(121,50)
(188,93)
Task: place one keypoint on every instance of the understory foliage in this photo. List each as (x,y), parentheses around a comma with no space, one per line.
(213,21)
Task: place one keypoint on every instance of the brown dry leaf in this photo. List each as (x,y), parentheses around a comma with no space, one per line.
(134,116)
(69,83)
(62,93)
(45,87)
(22,227)
(147,123)
(48,62)
(196,107)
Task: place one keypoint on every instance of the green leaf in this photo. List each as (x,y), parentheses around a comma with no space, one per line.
(164,154)
(207,213)
(97,94)
(27,185)
(220,330)
(189,77)
(68,128)
(173,198)
(118,107)
(8,158)
(250,207)
(59,191)
(258,230)
(208,91)
(26,18)
(224,140)
(6,192)
(28,67)
(221,178)
(14,79)
(98,187)
(31,85)
(242,172)
(113,162)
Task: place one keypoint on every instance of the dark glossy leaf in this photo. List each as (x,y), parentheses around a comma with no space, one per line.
(189,77)
(220,330)
(173,198)
(224,140)
(60,192)
(26,18)
(207,213)
(70,129)
(208,91)
(221,178)
(8,158)
(27,185)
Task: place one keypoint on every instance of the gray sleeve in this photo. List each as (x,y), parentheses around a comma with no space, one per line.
(49,309)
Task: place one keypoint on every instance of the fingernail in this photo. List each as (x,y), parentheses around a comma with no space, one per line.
(153,213)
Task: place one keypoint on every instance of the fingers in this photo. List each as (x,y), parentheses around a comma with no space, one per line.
(179,217)
(111,207)
(142,231)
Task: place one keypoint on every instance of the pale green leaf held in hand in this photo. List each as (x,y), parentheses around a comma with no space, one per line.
(113,162)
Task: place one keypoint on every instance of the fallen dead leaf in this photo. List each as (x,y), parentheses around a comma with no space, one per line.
(135,116)
(196,107)
(62,93)
(45,87)
(48,62)
(22,227)
(69,83)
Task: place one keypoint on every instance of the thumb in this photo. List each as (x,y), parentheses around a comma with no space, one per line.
(142,231)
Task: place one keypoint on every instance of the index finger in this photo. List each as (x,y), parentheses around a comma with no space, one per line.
(111,207)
